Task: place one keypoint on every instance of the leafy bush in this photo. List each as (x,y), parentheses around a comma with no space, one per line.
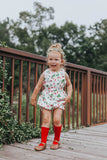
(10,130)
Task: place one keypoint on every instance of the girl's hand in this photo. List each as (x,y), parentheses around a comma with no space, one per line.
(33,101)
(67,99)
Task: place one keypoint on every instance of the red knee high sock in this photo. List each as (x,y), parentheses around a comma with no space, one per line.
(57,131)
(44,134)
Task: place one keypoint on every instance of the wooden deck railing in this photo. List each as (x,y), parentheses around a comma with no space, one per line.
(88,104)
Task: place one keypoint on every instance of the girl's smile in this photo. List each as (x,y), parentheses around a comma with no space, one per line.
(54,61)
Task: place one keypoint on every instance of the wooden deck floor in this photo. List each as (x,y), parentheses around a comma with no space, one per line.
(88,143)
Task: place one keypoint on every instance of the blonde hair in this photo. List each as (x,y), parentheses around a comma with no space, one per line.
(58,48)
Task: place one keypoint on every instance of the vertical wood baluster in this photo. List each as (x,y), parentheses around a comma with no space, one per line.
(100,101)
(64,112)
(35,82)
(20,92)
(78,99)
(3,76)
(42,70)
(69,104)
(106,99)
(91,86)
(28,91)
(12,83)
(97,100)
(94,99)
(82,99)
(73,107)
(103,99)
(85,100)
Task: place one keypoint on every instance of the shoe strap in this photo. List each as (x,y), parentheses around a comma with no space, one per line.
(55,142)
(41,144)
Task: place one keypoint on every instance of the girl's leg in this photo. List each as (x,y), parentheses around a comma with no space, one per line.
(44,129)
(57,117)
(57,128)
(46,118)
(45,124)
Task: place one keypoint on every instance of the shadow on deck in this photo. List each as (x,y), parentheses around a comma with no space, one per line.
(88,143)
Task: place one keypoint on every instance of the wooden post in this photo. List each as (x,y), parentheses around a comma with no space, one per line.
(86,120)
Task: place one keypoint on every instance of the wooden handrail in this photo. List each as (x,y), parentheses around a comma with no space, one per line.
(89,98)
(15,52)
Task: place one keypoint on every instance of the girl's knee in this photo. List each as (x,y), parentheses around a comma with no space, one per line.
(57,122)
(57,117)
(46,120)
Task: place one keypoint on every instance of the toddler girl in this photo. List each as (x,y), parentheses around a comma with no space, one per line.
(53,97)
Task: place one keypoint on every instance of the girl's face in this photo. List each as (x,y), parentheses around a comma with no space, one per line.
(54,60)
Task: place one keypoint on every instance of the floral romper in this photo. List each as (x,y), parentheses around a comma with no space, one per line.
(53,94)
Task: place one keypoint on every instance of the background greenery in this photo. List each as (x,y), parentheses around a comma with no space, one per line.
(84,46)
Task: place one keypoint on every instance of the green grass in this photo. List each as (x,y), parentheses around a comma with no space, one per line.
(15,108)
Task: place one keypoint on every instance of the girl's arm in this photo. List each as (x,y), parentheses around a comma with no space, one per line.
(36,90)
(69,88)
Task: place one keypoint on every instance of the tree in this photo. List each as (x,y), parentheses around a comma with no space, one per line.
(29,29)
(76,44)
(31,33)
(99,34)
(4,33)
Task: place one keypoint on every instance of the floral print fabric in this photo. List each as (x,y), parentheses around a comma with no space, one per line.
(53,94)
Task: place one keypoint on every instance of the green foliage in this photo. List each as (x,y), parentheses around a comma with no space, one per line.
(99,35)
(31,33)
(10,130)
(5,35)
(3,44)
(30,28)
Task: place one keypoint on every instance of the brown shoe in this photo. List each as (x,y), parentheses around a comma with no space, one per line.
(55,145)
(40,147)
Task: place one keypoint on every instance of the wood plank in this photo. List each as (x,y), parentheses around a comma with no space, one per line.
(89,143)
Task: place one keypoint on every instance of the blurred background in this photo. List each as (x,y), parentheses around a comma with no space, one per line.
(80,26)
(33,25)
